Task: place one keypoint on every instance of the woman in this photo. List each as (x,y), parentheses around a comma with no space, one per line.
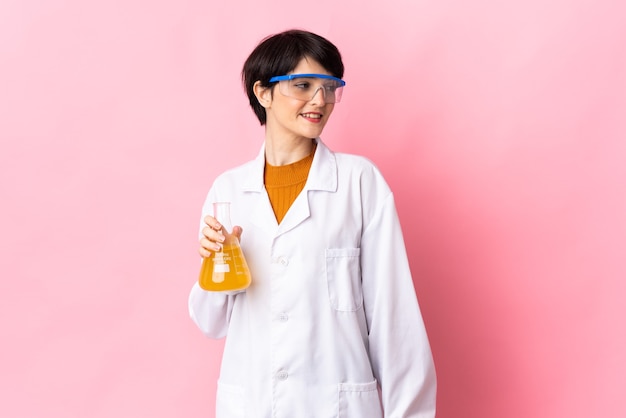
(330,326)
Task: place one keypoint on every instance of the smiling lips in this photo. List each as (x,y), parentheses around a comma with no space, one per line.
(312,117)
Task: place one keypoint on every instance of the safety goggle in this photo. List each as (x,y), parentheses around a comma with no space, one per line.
(305,86)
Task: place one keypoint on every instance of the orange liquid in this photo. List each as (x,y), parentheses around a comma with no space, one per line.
(226,269)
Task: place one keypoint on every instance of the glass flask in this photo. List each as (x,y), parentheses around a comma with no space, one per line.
(226,269)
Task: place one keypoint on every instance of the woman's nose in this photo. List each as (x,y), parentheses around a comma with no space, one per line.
(320,98)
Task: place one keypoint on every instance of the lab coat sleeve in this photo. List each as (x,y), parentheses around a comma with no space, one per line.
(399,348)
(210,310)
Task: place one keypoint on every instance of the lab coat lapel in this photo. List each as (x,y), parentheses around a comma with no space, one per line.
(322,177)
(262,215)
(260,211)
(297,213)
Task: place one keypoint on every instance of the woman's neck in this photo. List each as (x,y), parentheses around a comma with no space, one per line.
(283,152)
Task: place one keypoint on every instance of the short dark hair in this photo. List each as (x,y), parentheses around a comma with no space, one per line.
(279,54)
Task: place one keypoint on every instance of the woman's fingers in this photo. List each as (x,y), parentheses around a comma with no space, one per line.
(212,237)
(212,222)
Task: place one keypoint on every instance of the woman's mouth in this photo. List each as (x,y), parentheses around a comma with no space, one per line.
(312,117)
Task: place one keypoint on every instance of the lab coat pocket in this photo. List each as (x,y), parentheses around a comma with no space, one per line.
(343,275)
(358,400)
(230,401)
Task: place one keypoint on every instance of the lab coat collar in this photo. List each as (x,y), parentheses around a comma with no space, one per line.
(322,175)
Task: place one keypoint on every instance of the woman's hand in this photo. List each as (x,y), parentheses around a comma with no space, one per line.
(214,236)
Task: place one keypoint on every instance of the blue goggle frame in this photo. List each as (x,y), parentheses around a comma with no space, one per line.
(292,76)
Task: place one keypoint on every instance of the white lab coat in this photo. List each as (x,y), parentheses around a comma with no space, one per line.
(330,326)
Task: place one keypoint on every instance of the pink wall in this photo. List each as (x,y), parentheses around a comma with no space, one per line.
(500,125)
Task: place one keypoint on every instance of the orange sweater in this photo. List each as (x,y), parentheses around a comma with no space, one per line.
(284,183)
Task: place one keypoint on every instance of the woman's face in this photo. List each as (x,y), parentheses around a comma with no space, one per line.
(290,118)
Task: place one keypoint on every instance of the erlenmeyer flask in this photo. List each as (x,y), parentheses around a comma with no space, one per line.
(226,269)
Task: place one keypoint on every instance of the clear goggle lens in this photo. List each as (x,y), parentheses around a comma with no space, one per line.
(305,86)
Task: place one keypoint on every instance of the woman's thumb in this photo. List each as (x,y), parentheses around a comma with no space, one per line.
(237,230)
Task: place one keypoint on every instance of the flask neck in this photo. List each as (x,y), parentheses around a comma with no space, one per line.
(221,212)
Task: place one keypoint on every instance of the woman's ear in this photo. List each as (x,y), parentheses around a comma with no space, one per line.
(263,94)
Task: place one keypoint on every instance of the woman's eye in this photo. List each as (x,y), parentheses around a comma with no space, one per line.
(302,86)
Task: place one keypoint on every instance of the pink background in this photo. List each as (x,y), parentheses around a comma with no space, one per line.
(500,125)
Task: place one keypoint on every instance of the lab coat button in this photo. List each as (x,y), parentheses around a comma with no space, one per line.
(283,261)
(282,375)
(283,317)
